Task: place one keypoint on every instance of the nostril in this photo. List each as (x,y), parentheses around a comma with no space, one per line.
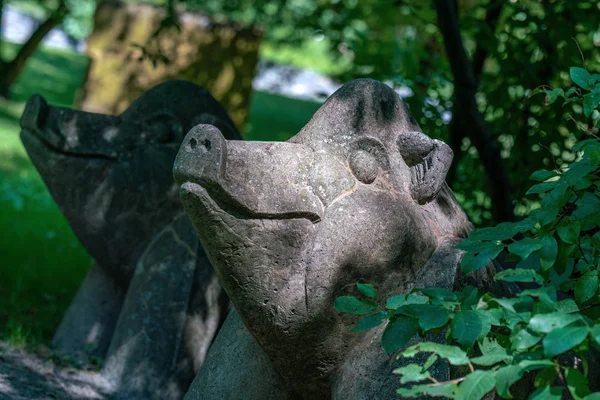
(207,144)
(193,143)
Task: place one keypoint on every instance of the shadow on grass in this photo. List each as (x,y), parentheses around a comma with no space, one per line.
(25,376)
(42,261)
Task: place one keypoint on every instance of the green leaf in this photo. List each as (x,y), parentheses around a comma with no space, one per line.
(595,332)
(398,333)
(411,373)
(354,306)
(476,385)
(545,323)
(519,275)
(580,77)
(544,215)
(567,306)
(563,339)
(548,252)
(545,377)
(398,301)
(489,233)
(522,339)
(541,187)
(506,377)
(429,316)
(593,396)
(552,95)
(491,359)
(593,81)
(370,321)
(569,231)
(546,393)
(437,293)
(586,286)
(430,361)
(577,384)
(469,297)
(471,262)
(532,365)
(590,102)
(523,248)
(453,354)
(491,346)
(542,175)
(367,289)
(433,389)
(572,90)
(466,327)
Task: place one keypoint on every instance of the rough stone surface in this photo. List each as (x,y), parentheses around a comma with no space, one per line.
(111,177)
(226,380)
(357,194)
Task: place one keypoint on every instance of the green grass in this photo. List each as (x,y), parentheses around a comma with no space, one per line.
(41,261)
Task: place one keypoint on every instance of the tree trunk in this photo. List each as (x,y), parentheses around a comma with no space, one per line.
(466,112)
(457,131)
(9,71)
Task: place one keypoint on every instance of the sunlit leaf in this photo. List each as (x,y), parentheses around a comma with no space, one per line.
(453,354)
(476,385)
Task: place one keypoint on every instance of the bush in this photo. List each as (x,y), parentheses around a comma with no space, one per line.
(549,326)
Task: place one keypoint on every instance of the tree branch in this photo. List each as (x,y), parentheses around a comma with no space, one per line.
(465,109)
(457,131)
(11,70)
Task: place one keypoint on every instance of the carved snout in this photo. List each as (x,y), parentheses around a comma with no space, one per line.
(35,118)
(201,157)
(72,131)
(35,113)
(269,180)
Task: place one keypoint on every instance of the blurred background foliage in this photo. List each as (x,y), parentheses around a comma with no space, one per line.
(465,66)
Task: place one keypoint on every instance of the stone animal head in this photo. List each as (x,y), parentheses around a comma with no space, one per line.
(111,175)
(357,194)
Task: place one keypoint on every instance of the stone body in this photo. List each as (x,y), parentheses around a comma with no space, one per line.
(151,303)
(357,195)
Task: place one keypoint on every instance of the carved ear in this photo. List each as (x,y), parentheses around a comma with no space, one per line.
(428,160)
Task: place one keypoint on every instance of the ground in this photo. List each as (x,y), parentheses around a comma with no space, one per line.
(34,376)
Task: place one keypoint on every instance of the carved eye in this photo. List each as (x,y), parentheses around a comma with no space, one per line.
(162,128)
(172,132)
(364,166)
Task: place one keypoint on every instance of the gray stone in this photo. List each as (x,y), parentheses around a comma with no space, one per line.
(357,194)
(152,296)
(237,379)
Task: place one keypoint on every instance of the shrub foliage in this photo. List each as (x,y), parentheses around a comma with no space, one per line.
(549,326)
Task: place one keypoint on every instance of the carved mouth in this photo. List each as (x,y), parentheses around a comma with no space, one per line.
(225,202)
(38,139)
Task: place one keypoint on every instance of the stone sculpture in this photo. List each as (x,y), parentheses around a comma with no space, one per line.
(357,194)
(112,179)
